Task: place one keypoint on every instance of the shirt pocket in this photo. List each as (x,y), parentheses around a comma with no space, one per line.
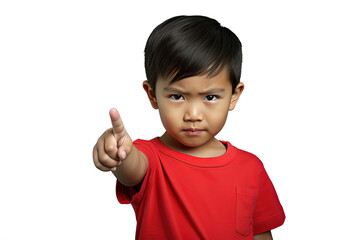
(245,205)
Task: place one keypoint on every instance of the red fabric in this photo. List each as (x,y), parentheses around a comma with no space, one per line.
(185,197)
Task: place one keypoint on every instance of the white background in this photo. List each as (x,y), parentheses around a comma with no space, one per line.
(64,64)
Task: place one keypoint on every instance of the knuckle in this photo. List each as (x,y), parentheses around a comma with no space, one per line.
(100,138)
(96,146)
(98,165)
(101,167)
(106,160)
(110,148)
(103,158)
(108,133)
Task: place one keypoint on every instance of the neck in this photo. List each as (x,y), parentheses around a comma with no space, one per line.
(212,148)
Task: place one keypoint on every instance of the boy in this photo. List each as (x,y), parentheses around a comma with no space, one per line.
(186,184)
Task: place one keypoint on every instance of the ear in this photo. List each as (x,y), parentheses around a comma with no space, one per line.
(151,94)
(236,95)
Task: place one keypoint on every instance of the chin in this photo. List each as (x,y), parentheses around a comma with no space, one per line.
(192,143)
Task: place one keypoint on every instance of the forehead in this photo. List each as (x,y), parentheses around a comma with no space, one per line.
(198,83)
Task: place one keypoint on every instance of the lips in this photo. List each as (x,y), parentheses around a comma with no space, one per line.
(193,131)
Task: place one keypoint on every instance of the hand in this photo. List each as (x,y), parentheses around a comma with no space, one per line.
(113,145)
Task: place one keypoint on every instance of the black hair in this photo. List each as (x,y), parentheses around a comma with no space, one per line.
(186,46)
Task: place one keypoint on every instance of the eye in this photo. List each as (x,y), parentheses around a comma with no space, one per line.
(176,97)
(211,98)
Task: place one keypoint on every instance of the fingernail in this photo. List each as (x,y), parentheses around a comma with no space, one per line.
(113,169)
(119,163)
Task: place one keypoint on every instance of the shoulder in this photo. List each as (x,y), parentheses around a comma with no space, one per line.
(246,158)
(146,146)
(143,142)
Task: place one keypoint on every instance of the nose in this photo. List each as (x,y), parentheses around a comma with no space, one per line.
(193,113)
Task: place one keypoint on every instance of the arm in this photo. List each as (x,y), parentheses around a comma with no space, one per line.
(263,236)
(115,151)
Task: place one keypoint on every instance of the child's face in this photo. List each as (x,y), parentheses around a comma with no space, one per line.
(193,110)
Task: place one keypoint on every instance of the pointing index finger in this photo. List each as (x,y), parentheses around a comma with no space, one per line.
(118,126)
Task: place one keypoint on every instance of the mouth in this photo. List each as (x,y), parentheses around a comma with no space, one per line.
(193,131)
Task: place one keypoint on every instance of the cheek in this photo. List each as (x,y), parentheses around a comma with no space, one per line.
(217,119)
(169,116)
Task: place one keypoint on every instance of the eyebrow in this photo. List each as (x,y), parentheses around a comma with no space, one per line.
(170,89)
(210,91)
(214,90)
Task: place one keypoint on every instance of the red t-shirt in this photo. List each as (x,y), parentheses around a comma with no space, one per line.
(186,197)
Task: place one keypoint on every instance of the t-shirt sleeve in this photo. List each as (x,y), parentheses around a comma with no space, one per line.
(268,213)
(125,194)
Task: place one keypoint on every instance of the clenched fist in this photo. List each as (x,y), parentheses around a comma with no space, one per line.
(113,146)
